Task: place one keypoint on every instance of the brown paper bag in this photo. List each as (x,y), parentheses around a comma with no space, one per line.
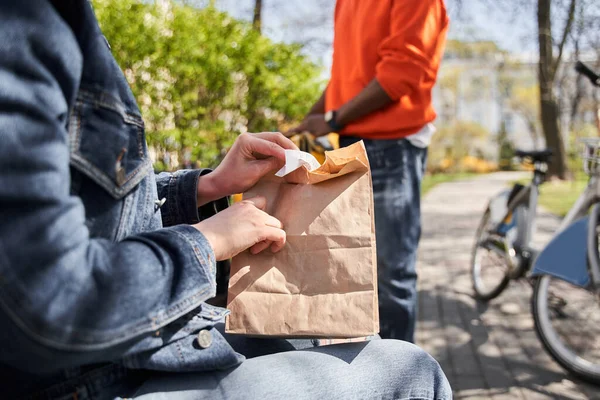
(324,282)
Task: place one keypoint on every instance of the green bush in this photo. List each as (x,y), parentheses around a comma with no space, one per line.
(202,77)
(455,147)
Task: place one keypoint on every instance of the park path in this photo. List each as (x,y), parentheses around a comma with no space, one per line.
(487,351)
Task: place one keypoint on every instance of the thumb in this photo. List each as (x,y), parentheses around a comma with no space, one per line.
(259,202)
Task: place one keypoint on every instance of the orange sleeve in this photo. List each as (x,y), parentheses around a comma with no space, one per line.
(409,52)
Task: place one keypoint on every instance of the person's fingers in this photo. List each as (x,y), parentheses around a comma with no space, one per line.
(259,247)
(274,235)
(259,202)
(277,246)
(263,167)
(256,145)
(278,138)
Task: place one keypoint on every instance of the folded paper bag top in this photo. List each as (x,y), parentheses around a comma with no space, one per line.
(301,167)
(295,159)
(323,283)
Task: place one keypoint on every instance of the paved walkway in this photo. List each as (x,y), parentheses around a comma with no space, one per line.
(487,351)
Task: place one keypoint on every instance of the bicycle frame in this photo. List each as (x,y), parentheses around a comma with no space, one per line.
(572,254)
(592,246)
(567,255)
(582,265)
(527,195)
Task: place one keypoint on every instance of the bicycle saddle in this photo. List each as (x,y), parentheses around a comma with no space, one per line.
(535,155)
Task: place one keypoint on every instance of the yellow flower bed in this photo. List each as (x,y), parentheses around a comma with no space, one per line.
(465,164)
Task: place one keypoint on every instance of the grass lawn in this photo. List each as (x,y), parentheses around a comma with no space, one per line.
(558,196)
(429,181)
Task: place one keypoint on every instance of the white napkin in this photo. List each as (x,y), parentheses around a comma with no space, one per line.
(295,159)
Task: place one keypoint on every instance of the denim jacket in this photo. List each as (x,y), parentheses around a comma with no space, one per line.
(92,270)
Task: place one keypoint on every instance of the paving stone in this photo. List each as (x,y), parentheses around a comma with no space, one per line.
(488,351)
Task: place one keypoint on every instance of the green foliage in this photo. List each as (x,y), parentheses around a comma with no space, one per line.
(576,148)
(459,147)
(449,79)
(460,139)
(472,50)
(202,77)
(506,150)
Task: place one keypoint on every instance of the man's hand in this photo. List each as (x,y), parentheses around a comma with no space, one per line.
(371,99)
(243,225)
(252,156)
(313,123)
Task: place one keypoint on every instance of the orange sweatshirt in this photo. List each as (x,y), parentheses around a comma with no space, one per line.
(399,42)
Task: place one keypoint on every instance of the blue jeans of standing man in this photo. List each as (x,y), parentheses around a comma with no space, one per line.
(397,168)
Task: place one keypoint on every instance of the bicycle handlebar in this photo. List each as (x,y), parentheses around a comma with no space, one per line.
(591,75)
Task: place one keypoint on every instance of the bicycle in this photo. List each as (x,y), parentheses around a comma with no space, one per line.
(565,275)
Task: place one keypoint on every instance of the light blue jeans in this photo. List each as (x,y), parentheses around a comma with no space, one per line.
(379,369)
(397,168)
(278,369)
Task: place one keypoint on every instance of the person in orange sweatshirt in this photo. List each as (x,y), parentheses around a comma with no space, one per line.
(385,63)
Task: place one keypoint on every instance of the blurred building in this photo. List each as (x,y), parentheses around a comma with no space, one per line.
(480,83)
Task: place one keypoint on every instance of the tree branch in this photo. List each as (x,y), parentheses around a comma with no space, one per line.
(565,35)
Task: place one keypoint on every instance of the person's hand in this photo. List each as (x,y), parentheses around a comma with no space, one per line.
(242,226)
(252,156)
(313,123)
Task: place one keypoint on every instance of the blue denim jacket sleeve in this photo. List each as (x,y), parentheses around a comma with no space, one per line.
(179,191)
(68,299)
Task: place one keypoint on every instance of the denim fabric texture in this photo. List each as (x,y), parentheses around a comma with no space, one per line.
(379,369)
(80,223)
(102,286)
(397,168)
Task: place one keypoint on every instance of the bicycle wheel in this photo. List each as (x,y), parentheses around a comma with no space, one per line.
(489,267)
(567,321)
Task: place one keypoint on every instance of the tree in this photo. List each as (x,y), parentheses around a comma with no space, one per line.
(257,17)
(575,96)
(547,66)
(551,50)
(479,49)
(585,40)
(506,150)
(202,77)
